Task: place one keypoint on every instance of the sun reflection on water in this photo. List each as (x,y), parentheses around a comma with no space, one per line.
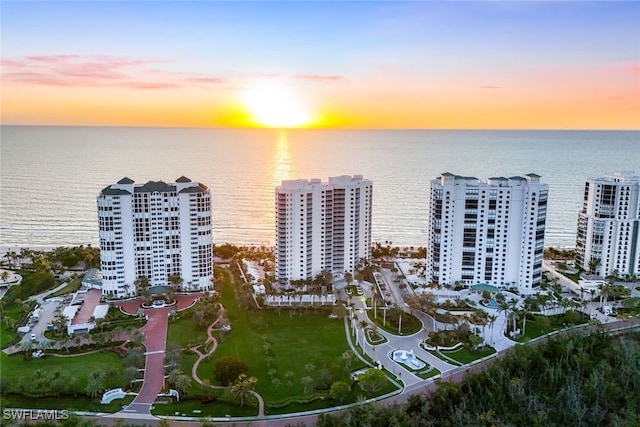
(281,164)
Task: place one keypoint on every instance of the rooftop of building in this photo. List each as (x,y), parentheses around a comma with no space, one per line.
(126,184)
(619,176)
(90,301)
(342,180)
(501,180)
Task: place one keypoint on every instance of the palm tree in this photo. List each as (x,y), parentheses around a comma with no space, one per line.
(397,311)
(170,294)
(604,289)
(363,325)
(175,280)
(243,387)
(348,278)
(288,375)
(492,320)
(504,308)
(524,319)
(306,381)
(141,284)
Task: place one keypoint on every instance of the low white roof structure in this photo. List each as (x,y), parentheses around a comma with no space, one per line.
(70,311)
(100,311)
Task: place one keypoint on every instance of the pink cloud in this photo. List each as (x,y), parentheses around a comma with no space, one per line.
(319,78)
(635,69)
(95,71)
(148,85)
(205,80)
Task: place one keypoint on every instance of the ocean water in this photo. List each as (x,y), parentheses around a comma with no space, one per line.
(50,176)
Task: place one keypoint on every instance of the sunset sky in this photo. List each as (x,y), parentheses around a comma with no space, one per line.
(514,65)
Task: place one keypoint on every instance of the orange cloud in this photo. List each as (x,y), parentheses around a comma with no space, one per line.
(319,78)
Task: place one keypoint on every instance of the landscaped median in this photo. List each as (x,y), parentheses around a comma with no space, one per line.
(456,347)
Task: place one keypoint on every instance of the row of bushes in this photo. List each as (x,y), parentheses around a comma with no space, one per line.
(295,400)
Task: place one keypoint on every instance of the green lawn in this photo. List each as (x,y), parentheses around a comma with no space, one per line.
(444,358)
(72,286)
(12,316)
(464,356)
(20,375)
(79,403)
(184,331)
(300,342)
(79,366)
(296,338)
(428,373)
(190,408)
(538,327)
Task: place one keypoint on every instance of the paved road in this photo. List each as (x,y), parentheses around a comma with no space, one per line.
(46,316)
(155,332)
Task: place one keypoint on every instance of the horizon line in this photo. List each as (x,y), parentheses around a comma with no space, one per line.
(319,128)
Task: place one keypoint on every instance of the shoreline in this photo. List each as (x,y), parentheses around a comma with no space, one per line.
(48,248)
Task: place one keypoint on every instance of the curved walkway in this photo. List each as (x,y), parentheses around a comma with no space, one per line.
(202,356)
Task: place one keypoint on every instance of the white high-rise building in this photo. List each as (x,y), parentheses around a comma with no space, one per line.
(322,226)
(155,230)
(487,232)
(608,239)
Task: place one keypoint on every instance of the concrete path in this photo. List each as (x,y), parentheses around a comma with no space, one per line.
(382,352)
(202,356)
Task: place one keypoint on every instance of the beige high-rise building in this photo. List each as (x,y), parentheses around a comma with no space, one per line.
(608,238)
(322,226)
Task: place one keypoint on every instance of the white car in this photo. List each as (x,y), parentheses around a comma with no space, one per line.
(33,337)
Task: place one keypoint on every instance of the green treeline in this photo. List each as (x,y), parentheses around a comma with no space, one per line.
(567,381)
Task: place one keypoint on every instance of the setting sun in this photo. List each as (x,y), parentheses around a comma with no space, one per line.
(276,106)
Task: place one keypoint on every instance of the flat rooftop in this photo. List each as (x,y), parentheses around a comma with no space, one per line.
(91,301)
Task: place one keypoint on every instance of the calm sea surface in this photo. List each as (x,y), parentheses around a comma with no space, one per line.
(50,176)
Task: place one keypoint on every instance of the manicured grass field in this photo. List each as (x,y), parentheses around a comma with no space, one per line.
(464,356)
(72,286)
(280,347)
(295,339)
(15,368)
(190,408)
(79,403)
(8,332)
(537,328)
(184,331)
(446,359)
(424,374)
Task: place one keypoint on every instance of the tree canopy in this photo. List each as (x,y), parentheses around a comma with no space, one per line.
(227,369)
(569,380)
